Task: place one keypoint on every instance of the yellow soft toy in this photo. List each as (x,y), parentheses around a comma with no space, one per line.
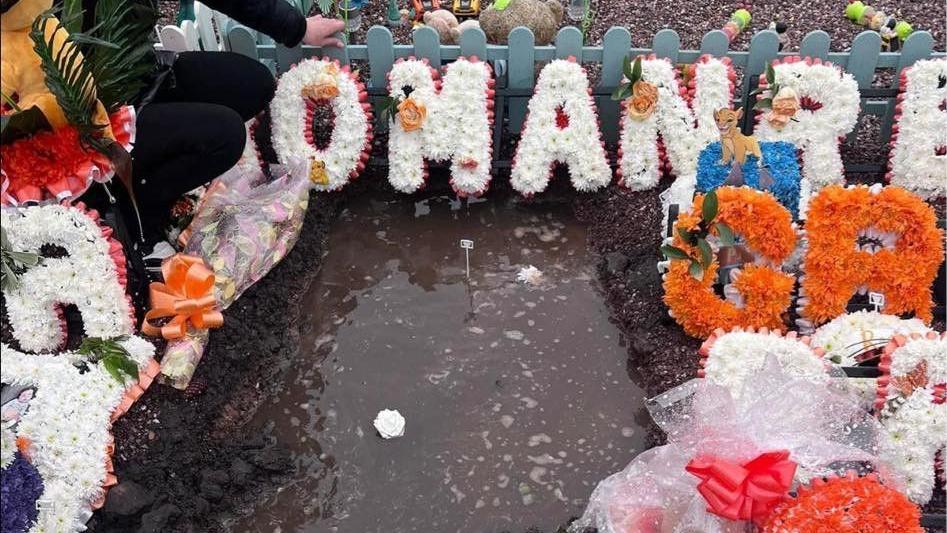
(21,77)
(86,143)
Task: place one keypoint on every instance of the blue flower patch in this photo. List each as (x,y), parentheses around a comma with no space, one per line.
(779,158)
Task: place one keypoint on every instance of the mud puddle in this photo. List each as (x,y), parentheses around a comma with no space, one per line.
(516,393)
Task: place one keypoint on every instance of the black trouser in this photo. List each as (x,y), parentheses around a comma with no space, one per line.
(193,130)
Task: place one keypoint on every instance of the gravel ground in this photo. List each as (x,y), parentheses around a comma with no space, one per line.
(692,20)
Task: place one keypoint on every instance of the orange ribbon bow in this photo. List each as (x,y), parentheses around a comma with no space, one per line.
(187,295)
(747,492)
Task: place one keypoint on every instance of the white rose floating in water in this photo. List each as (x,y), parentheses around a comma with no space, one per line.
(389,423)
(530,275)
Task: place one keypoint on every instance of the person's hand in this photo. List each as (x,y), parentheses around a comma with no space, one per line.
(320,31)
(121,162)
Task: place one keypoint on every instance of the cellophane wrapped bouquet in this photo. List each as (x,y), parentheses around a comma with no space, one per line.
(728,462)
(244,225)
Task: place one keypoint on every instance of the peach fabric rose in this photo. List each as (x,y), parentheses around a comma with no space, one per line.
(785,105)
(324,88)
(411,114)
(644,97)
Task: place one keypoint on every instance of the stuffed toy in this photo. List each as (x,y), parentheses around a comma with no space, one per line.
(445,24)
(541,16)
(64,129)
(21,76)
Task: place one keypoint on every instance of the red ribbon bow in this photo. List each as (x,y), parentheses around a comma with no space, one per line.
(747,492)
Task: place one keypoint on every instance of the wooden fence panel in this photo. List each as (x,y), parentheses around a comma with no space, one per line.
(427,45)
(616,43)
(715,43)
(381,56)
(763,49)
(666,44)
(569,43)
(816,44)
(521,74)
(473,43)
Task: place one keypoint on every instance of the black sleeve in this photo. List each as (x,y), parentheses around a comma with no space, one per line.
(276,18)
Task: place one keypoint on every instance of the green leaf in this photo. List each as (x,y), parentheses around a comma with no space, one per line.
(120,367)
(837,359)
(764,103)
(325,7)
(626,67)
(673,252)
(696,270)
(617,93)
(13,261)
(114,358)
(636,71)
(770,74)
(706,253)
(23,124)
(725,234)
(687,236)
(709,208)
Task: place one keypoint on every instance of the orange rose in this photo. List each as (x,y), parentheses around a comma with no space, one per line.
(644,97)
(411,114)
(785,106)
(324,88)
(317,173)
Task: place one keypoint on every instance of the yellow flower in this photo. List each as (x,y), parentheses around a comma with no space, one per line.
(324,88)
(317,172)
(644,97)
(411,114)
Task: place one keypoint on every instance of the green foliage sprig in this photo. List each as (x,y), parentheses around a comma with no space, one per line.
(772,88)
(632,73)
(114,357)
(389,104)
(13,262)
(120,52)
(697,237)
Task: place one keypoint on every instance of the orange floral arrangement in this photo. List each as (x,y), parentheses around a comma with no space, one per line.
(643,100)
(846,505)
(835,268)
(411,114)
(767,228)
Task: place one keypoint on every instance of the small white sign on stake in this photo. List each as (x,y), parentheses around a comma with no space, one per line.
(467,245)
(876,299)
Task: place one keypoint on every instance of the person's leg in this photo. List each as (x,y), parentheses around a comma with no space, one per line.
(181,146)
(232,80)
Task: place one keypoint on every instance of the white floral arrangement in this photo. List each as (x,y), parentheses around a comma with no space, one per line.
(728,358)
(67,424)
(683,115)
(846,337)
(833,114)
(911,406)
(292,109)
(33,304)
(918,157)
(7,446)
(562,90)
(454,123)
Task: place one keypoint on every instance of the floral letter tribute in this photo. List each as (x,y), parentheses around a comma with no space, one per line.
(63,429)
(441,121)
(562,125)
(306,86)
(764,291)
(918,146)
(911,405)
(685,132)
(880,239)
(828,103)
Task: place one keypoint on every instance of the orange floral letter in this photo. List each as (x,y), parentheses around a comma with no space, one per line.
(766,226)
(836,266)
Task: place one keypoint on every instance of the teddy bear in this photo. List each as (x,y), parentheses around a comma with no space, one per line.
(445,24)
(21,76)
(541,16)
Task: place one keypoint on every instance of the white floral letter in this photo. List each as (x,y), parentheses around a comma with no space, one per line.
(918,159)
(562,125)
(457,125)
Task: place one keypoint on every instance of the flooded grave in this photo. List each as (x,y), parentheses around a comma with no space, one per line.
(516,393)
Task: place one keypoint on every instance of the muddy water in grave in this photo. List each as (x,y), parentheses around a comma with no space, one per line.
(517,397)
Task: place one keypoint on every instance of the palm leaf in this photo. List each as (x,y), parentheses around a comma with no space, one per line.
(68,78)
(119,50)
